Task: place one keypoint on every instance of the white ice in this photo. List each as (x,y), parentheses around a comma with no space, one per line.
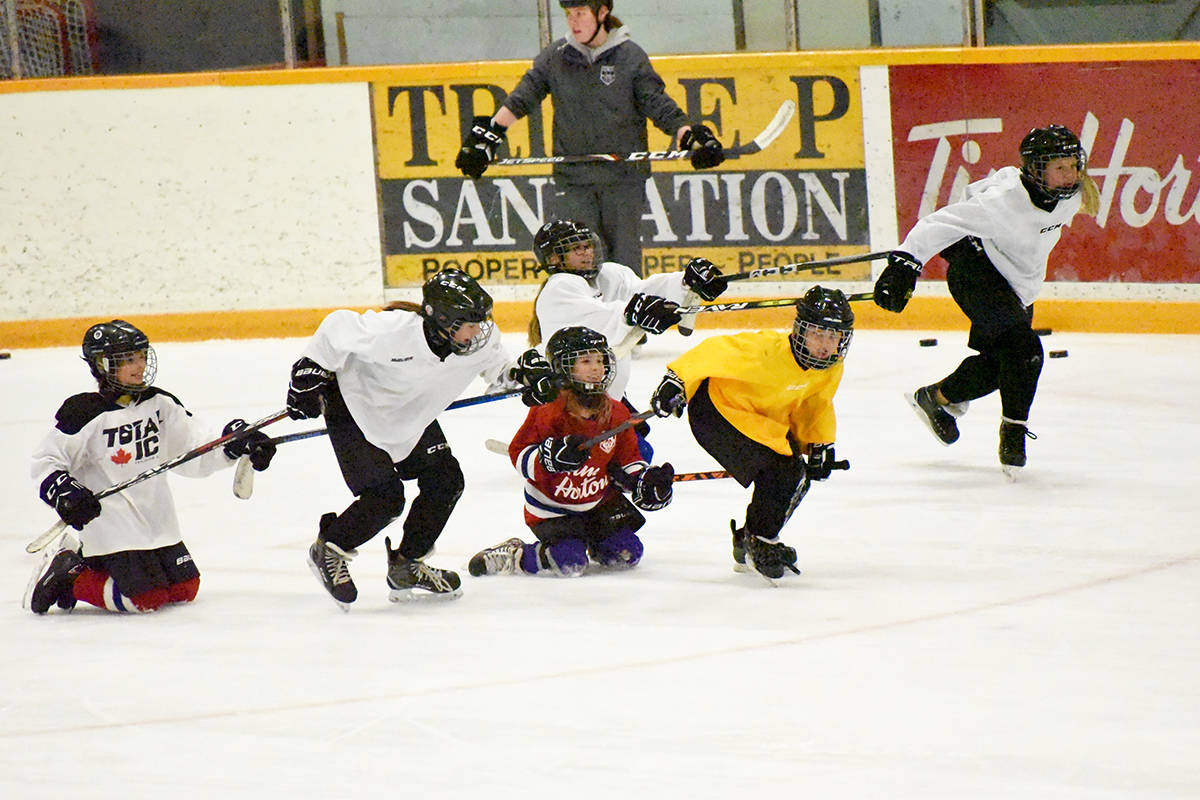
(953,635)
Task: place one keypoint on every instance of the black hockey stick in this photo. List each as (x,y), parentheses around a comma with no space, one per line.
(501,449)
(804,266)
(241,433)
(769,134)
(466,401)
(776,302)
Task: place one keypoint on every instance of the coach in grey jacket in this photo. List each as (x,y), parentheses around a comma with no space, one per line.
(603,90)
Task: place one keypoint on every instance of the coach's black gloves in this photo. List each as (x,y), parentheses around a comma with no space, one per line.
(562,453)
(897,281)
(653,488)
(534,374)
(669,398)
(651,313)
(706,150)
(307,389)
(479,146)
(703,278)
(257,445)
(73,501)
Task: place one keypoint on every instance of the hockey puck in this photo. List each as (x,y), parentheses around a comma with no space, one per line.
(1058,353)
(928,343)
(5,354)
(1041,331)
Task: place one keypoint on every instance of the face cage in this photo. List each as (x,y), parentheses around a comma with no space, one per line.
(106,365)
(567,243)
(800,350)
(476,342)
(565,366)
(1036,170)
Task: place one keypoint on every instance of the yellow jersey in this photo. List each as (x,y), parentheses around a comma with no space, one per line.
(757,386)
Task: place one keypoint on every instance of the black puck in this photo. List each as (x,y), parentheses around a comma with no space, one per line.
(1058,353)
(5,354)
(928,343)
(1041,331)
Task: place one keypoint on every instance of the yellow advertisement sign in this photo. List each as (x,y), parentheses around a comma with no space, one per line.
(802,198)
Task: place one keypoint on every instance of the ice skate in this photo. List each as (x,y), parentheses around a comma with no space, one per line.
(937,417)
(503,559)
(330,564)
(1012,446)
(739,547)
(770,557)
(413,579)
(56,582)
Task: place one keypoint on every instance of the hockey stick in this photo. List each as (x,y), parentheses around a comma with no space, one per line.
(803,266)
(466,401)
(769,134)
(50,535)
(501,449)
(772,303)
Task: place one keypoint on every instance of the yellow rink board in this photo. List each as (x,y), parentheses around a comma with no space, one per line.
(923,313)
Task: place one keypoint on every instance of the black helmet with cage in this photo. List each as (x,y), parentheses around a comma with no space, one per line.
(450,299)
(822,310)
(569,344)
(1043,145)
(558,238)
(109,345)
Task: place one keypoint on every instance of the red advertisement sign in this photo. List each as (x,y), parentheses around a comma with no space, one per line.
(952,124)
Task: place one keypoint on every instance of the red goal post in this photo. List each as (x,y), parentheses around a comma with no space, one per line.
(49,37)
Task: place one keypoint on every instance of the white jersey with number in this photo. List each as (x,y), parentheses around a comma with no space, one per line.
(393,384)
(102,444)
(568,299)
(1016,235)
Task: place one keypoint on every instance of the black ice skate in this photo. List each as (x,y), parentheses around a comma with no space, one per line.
(413,579)
(330,564)
(56,585)
(937,417)
(503,559)
(739,547)
(1012,445)
(770,557)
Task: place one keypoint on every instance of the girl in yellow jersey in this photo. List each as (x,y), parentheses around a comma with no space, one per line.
(762,405)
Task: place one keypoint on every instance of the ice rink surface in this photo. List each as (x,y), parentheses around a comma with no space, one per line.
(953,635)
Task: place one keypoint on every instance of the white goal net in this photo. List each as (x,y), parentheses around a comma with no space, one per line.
(47,38)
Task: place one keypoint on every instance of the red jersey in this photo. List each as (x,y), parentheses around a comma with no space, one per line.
(556,494)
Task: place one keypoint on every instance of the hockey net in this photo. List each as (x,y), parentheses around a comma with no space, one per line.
(53,37)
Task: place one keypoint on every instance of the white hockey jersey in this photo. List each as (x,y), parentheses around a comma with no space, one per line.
(393,384)
(1017,235)
(101,444)
(568,299)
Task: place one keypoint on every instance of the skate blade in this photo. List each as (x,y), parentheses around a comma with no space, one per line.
(912,403)
(1010,472)
(317,574)
(422,595)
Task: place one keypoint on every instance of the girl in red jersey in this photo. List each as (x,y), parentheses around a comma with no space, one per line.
(573,499)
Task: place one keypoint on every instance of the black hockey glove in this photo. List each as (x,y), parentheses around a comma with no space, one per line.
(669,399)
(73,501)
(307,389)
(822,462)
(706,150)
(257,445)
(654,487)
(651,313)
(896,283)
(562,453)
(703,278)
(533,372)
(479,146)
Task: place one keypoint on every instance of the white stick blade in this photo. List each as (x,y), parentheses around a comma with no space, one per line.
(243,479)
(40,543)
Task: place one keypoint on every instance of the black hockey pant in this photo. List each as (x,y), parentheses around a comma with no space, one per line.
(378,484)
(1010,353)
(780,482)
